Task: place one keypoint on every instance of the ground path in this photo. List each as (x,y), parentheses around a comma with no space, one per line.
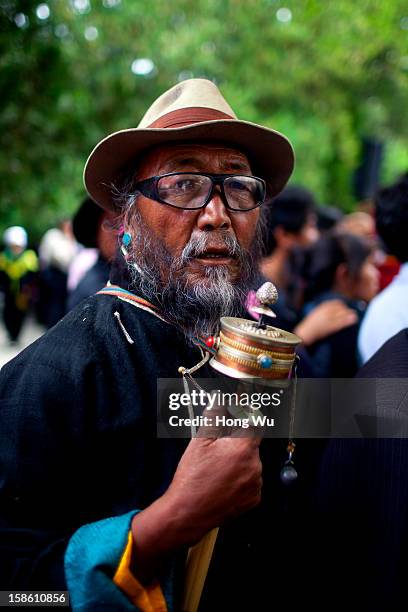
(30,332)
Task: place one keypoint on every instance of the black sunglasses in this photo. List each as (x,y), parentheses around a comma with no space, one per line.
(193,190)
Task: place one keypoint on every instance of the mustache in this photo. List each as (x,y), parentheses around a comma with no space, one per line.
(191,301)
(199,244)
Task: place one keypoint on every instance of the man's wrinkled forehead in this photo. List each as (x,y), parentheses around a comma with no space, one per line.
(208,157)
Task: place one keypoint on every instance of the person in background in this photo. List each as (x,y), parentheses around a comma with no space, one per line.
(290,225)
(57,249)
(362,223)
(339,266)
(18,266)
(92,229)
(291,222)
(388,312)
(328,217)
(358,223)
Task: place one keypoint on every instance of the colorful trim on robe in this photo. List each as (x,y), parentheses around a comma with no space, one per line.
(91,559)
(95,570)
(149,598)
(119,292)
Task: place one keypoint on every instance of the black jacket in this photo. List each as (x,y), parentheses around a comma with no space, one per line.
(78,444)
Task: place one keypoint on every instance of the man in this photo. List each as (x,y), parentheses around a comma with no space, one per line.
(387,314)
(78,409)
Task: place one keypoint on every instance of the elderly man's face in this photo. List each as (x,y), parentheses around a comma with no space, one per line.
(175,227)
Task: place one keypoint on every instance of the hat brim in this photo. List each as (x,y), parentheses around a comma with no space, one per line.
(269,152)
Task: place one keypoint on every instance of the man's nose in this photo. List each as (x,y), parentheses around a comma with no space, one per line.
(214,215)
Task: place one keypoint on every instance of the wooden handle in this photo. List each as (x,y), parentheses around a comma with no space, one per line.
(197,564)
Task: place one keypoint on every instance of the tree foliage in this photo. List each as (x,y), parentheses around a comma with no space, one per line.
(326,74)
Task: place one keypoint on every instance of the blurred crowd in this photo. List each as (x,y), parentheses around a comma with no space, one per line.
(342,278)
(72,262)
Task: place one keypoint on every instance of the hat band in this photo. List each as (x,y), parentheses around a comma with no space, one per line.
(187,116)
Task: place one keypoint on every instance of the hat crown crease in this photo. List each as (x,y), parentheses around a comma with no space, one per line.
(193,93)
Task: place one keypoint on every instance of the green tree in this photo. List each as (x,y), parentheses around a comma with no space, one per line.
(326,74)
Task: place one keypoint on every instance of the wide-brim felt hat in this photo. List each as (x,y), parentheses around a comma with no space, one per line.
(191,111)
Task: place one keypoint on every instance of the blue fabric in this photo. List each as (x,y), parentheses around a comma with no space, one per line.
(91,559)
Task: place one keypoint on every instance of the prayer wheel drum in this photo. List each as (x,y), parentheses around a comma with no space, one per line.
(246,349)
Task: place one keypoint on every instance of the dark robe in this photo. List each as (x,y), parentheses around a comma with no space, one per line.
(78,444)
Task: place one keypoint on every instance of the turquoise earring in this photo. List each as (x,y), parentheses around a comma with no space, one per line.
(126,239)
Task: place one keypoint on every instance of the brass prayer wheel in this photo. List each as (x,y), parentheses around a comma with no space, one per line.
(246,349)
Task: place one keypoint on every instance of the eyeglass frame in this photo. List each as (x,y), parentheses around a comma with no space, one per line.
(217,179)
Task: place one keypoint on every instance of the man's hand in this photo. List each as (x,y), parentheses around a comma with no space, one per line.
(216,478)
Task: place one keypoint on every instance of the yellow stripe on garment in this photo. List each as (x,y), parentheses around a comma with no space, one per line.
(147,598)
